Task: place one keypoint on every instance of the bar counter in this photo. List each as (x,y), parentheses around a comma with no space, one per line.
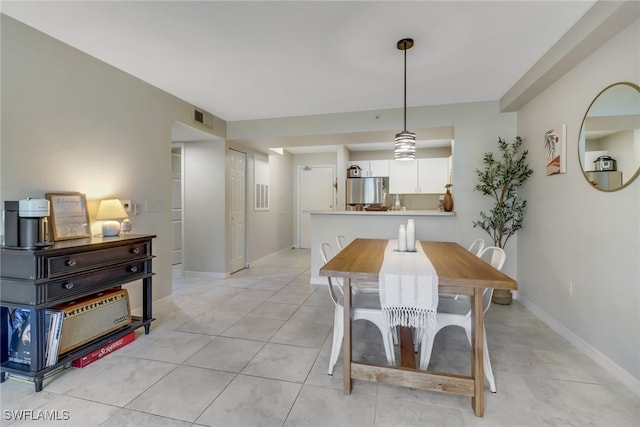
(412,213)
(326,225)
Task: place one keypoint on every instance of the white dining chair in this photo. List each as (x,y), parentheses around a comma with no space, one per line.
(453,312)
(357,286)
(476,246)
(363,307)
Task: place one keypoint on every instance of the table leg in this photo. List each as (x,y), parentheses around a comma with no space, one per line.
(477,330)
(346,345)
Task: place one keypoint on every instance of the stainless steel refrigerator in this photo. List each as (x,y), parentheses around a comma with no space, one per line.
(364,191)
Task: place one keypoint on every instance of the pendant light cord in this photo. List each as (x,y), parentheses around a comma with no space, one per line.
(405,86)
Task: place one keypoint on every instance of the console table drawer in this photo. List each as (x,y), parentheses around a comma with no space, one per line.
(81,284)
(60,265)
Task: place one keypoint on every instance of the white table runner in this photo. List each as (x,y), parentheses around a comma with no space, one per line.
(408,287)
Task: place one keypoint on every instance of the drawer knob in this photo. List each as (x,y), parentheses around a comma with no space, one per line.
(70,262)
(68,285)
(133,269)
(135,251)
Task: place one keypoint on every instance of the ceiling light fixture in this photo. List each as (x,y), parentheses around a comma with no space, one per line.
(405,143)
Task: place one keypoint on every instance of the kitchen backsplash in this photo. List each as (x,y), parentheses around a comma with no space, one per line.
(416,201)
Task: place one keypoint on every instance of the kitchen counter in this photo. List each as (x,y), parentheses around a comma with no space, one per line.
(414,213)
(326,225)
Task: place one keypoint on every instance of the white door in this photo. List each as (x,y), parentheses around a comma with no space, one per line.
(236,204)
(316,192)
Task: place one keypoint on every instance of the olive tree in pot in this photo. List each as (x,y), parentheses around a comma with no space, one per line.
(500,179)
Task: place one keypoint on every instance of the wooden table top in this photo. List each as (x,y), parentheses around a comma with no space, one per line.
(454,265)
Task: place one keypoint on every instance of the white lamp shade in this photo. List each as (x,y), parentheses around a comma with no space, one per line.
(110,211)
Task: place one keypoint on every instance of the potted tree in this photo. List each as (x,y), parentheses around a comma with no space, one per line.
(500,179)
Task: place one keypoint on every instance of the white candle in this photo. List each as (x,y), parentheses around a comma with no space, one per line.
(411,236)
(402,238)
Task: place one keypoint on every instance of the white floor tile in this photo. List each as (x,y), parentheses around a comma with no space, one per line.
(253,350)
(225,354)
(182,394)
(282,362)
(251,401)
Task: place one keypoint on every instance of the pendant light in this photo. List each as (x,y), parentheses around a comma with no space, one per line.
(405,142)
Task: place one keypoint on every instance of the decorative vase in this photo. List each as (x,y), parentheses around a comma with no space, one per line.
(447,204)
(502,296)
(402,238)
(411,235)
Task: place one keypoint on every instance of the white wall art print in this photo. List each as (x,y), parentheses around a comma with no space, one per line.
(555,149)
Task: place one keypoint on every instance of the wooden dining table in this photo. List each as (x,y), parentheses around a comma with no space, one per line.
(459,272)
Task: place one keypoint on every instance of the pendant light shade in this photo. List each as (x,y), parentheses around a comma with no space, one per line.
(405,142)
(405,146)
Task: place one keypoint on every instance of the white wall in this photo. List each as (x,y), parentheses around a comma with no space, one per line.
(73,123)
(272,230)
(204,207)
(577,234)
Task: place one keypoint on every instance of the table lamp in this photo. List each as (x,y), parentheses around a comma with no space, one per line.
(110,211)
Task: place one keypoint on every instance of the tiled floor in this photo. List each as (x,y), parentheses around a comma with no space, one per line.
(253,350)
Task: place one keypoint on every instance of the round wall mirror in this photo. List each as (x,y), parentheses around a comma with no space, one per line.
(609,145)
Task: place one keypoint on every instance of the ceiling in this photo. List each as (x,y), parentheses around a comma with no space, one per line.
(242,60)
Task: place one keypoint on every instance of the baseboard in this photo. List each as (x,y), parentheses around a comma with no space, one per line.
(272,254)
(209,274)
(607,364)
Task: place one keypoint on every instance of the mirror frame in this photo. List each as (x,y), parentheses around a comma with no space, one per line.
(581,138)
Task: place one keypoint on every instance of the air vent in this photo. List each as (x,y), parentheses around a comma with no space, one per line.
(198,116)
(201,117)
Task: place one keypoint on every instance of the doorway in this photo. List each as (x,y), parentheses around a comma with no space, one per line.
(236,185)
(198,183)
(316,192)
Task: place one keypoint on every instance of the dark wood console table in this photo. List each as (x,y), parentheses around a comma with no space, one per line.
(37,279)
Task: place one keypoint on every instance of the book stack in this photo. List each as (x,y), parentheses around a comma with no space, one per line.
(53,333)
(18,334)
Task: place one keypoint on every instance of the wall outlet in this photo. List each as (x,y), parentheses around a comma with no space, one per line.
(570,287)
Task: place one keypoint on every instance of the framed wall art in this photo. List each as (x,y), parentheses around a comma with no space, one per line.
(555,150)
(69,216)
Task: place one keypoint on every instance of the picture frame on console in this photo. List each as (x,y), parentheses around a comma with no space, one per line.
(69,216)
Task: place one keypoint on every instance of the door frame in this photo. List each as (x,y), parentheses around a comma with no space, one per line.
(298,204)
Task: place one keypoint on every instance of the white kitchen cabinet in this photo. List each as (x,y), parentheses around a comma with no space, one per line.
(403,176)
(378,168)
(421,176)
(433,175)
